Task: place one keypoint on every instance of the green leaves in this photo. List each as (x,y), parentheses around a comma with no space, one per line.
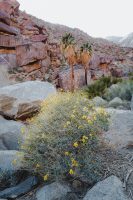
(68,39)
(86,47)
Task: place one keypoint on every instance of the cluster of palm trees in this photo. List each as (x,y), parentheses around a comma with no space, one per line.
(73,56)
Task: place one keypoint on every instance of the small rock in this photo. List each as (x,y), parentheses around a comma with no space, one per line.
(10,134)
(20,189)
(109,189)
(98,101)
(53,191)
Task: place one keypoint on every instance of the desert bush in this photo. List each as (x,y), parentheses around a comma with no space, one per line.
(63,140)
(99,87)
(123,90)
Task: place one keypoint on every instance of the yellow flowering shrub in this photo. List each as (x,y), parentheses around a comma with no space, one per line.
(63,136)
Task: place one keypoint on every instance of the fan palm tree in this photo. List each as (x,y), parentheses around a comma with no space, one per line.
(85,56)
(68,49)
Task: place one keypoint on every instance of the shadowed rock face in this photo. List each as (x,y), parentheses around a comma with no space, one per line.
(32,49)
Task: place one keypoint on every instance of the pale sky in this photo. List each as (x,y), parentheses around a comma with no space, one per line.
(99,18)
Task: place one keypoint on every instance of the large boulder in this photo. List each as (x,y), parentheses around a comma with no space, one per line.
(10,134)
(108,189)
(115,102)
(19,189)
(30,53)
(98,101)
(52,192)
(79,79)
(120,133)
(22,100)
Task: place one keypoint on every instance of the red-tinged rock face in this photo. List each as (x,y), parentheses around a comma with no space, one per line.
(8,29)
(13,41)
(32,67)
(79,80)
(4,17)
(38,38)
(9,6)
(30,53)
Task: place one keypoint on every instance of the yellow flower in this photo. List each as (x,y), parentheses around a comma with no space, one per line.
(45,178)
(91,135)
(22,130)
(71,171)
(80,127)
(68,123)
(14,162)
(37,166)
(67,153)
(85,109)
(94,117)
(72,116)
(85,137)
(74,163)
(90,122)
(75,144)
(84,117)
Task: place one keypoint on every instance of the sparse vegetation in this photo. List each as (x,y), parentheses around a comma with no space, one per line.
(123,90)
(63,141)
(99,87)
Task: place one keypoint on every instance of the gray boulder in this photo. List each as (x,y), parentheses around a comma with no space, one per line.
(115,102)
(98,101)
(10,168)
(109,189)
(20,189)
(120,133)
(53,191)
(22,100)
(10,134)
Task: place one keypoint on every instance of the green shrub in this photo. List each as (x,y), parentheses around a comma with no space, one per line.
(63,140)
(99,87)
(123,90)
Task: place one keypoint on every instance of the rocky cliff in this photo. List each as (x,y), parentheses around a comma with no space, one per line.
(30,47)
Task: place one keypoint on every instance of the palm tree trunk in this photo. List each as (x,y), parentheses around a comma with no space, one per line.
(72,78)
(86,73)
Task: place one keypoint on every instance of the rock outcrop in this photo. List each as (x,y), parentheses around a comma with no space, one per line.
(31,47)
(108,189)
(22,100)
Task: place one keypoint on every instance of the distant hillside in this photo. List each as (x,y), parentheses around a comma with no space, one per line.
(126,41)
